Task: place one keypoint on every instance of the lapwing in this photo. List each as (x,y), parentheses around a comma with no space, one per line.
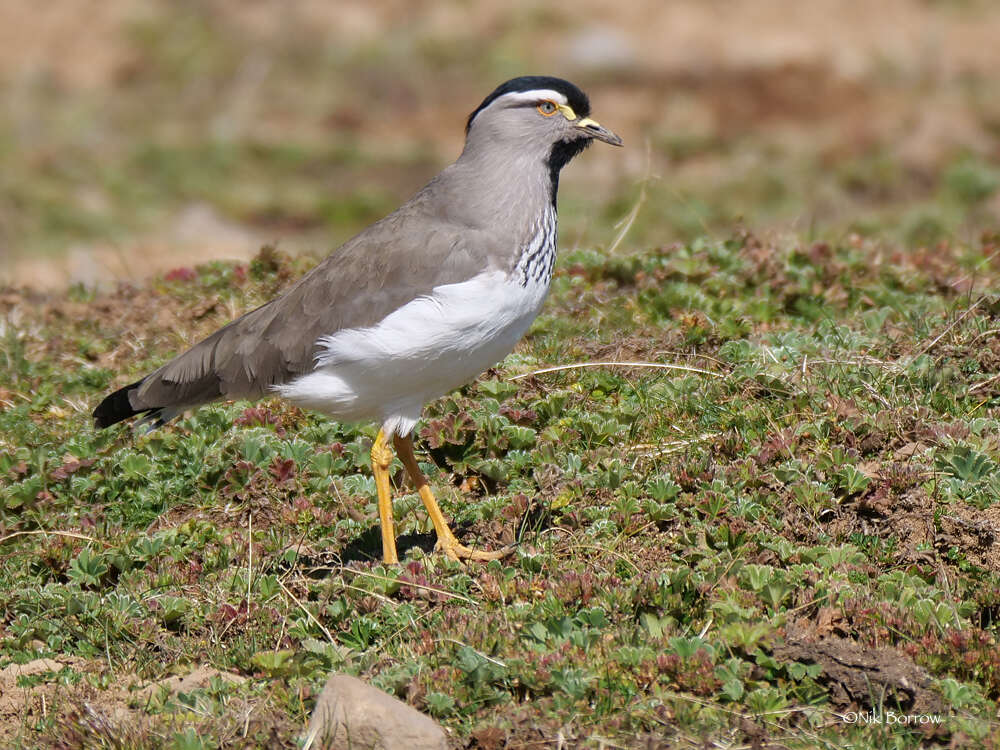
(413,307)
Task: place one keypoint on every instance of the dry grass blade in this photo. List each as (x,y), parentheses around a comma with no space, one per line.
(478,652)
(950,326)
(984,383)
(46,532)
(670,447)
(651,365)
(309,614)
(626,223)
(376,576)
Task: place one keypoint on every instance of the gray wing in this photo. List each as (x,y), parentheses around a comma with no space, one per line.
(391,263)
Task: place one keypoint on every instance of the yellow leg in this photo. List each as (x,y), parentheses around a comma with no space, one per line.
(381,458)
(446,539)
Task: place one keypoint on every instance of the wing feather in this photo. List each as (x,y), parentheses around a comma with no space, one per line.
(402,257)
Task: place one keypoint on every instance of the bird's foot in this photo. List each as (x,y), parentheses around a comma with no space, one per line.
(455,550)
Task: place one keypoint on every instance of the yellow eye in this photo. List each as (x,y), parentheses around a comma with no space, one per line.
(548,108)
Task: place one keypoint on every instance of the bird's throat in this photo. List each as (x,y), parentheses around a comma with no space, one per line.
(561,154)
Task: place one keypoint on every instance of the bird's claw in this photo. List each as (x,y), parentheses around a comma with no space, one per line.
(457,551)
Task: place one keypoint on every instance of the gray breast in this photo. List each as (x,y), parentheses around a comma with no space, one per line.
(538,255)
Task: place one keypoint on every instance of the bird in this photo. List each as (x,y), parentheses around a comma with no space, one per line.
(418,304)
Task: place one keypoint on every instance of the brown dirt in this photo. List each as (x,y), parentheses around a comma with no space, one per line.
(195,235)
(200,678)
(830,78)
(910,520)
(20,707)
(81,707)
(860,678)
(851,37)
(975,532)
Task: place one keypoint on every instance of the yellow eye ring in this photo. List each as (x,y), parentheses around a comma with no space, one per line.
(548,108)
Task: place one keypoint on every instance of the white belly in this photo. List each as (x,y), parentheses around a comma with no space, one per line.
(421,351)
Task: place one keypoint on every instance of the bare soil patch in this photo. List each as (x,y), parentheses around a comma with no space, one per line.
(860,678)
(42,692)
(85,712)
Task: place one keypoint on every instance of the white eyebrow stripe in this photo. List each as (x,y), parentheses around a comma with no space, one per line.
(534,95)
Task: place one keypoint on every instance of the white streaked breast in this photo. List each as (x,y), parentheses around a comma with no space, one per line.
(538,256)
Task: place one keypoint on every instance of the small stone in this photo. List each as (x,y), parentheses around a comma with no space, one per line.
(352,714)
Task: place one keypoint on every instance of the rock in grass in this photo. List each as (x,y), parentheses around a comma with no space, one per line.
(352,714)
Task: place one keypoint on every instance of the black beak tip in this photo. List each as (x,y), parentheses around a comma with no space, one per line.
(601,133)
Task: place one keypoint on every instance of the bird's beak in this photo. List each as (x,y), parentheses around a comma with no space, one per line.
(594,129)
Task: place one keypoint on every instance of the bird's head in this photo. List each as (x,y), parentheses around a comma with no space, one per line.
(536,116)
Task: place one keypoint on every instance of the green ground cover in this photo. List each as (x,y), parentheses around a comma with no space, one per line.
(684,539)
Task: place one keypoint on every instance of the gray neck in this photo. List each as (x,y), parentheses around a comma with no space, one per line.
(512,199)
(505,204)
(504,189)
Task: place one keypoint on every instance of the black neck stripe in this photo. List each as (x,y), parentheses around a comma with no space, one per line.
(561,154)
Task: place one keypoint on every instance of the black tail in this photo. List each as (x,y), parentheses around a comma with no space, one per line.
(116,407)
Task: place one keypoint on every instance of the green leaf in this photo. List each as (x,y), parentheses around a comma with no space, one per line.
(733,690)
(439,704)
(652,624)
(275,663)
(87,568)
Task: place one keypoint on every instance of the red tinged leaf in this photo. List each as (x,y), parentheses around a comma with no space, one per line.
(227,613)
(259,416)
(451,429)
(181,274)
(70,467)
(518,416)
(282,469)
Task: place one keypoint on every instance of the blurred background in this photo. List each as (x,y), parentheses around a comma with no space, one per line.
(138,136)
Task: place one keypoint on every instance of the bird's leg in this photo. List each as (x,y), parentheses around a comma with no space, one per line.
(381,458)
(446,539)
